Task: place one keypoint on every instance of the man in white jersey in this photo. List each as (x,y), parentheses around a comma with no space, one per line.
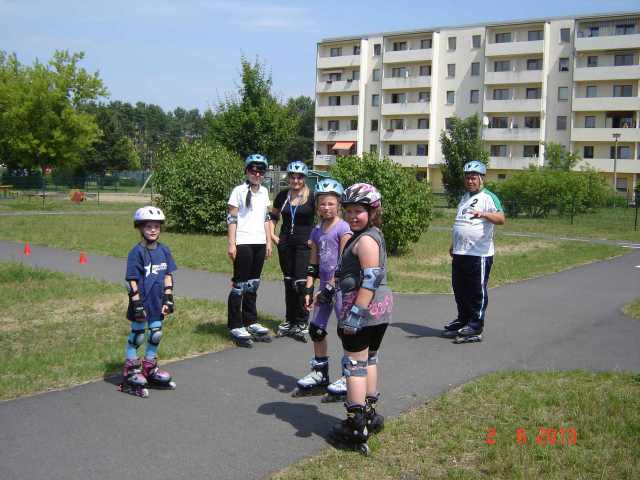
(472,253)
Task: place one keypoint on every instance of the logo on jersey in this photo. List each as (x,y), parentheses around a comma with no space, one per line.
(154,269)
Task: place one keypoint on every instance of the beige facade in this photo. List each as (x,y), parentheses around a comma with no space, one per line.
(575,81)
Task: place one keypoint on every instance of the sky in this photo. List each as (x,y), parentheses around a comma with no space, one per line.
(186,53)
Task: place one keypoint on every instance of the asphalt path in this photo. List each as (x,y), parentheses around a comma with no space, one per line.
(232,416)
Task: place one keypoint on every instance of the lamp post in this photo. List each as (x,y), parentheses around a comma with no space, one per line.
(616,136)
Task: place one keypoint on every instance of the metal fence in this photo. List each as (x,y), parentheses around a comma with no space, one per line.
(117,181)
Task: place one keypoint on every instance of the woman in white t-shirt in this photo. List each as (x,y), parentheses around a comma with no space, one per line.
(249,240)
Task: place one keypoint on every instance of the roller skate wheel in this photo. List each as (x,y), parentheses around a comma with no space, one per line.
(172,385)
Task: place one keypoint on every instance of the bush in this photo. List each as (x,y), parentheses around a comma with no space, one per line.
(407,202)
(194,184)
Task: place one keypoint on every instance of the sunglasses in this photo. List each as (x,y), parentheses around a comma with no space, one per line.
(296,176)
(256,171)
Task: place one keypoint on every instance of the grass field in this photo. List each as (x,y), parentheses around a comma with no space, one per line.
(59,330)
(633,309)
(521,425)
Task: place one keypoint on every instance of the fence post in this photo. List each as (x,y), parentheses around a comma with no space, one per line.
(44,188)
(573,208)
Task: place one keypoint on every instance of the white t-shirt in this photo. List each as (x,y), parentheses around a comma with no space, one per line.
(250,228)
(474,236)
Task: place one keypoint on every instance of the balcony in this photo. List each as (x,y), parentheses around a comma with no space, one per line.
(408,135)
(324,160)
(513,48)
(339,62)
(511,134)
(594,104)
(415,108)
(610,72)
(606,165)
(402,83)
(336,136)
(523,76)
(519,105)
(512,163)
(604,134)
(410,160)
(337,111)
(330,86)
(607,42)
(406,56)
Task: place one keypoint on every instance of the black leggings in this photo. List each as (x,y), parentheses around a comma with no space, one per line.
(294,260)
(247,266)
(368,337)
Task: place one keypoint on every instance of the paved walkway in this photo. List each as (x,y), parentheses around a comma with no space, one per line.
(232,415)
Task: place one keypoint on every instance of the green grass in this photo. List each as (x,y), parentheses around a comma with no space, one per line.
(58,330)
(633,309)
(64,205)
(446,438)
(426,268)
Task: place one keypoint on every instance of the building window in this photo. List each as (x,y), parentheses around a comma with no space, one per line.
(534,64)
(474,96)
(356,49)
(423,123)
(502,176)
(502,66)
(452,43)
(622,90)
(373,148)
(398,98)
(451,97)
(426,43)
(587,151)
(399,46)
(448,123)
(334,101)
(475,69)
(561,122)
(623,59)
(503,37)
(565,35)
(354,124)
(333,125)
(451,70)
(532,122)
(592,61)
(336,52)
(335,77)
(534,35)
(422,150)
(624,152)
(625,29)
(397,124)
(498,150)
(399,72)
(502,94)
(424,97)
(476,41)
(563,94)
(355,99)
(529,151)
(377,49)
(425,70)
(374,125)
(499,122)
(376,75)
(534,93)
(592,91)
(563,64)
(589,122)
(375,100)
(355,75)
(395,149)
(594,32)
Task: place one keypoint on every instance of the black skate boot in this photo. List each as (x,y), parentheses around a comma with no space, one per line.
(298,332)
(352,432)
(468,335)
(451,329)
(133,380)
(283,329)
(315,382)
(156,377)
(375,421)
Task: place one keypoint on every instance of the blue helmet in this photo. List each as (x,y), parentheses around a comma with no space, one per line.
(298,167)
(256,159)
(329,185)
(474,166)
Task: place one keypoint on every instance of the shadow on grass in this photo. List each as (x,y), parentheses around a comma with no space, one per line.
(306,419)
(417,331)
(111,373)
(280,381)
(211,328)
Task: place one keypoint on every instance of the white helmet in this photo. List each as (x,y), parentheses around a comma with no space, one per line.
(148,214)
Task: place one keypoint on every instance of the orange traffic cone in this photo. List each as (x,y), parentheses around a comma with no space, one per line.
(83,258)
(27,249)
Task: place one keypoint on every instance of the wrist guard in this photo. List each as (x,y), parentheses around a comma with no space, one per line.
(167,300)
(326,294)
(356,320)
(137,310)
(313,271)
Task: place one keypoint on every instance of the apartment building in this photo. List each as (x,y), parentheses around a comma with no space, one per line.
(571,80)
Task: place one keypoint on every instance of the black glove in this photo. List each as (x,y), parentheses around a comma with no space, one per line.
(326,294)
(137,310)
(167,300)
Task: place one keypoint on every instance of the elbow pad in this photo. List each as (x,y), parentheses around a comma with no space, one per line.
(372,278)
(231,219)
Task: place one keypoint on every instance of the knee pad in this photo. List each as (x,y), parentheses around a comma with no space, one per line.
(155,335)
(237,288)
(251,286)
(354,368)
(136,338)
(316,333)
(373,358)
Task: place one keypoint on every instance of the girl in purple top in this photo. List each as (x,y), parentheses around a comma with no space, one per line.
(327,241)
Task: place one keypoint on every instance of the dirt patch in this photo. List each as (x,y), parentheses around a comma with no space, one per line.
(522,248)
(126,198)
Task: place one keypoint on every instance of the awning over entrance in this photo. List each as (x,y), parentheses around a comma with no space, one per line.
(343,145)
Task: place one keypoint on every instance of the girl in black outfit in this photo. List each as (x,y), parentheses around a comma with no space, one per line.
(296,205)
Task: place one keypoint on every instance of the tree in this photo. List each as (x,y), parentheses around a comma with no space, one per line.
(254,120)
(301,146)
(42,121)
(556,157)
(460,144)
